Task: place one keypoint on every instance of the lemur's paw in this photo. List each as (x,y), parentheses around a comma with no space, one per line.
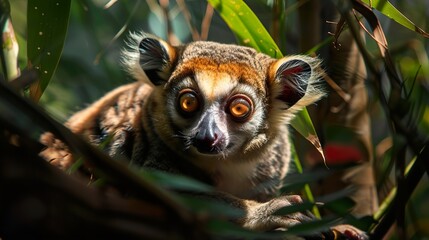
(56,152)
(348,232)
(262,217)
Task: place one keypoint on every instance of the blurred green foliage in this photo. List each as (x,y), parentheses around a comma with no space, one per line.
(89,64)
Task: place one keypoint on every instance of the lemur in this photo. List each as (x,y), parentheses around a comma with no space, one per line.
(214,112)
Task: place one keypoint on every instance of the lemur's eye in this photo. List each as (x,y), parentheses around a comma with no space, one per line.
(240,107)
(188,101)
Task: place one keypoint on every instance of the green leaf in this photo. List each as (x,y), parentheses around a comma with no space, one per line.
(249,31)
(314,227)
(338,202)
(246,26)
(75,166)
(301,207)
(205,206)
(174,181)
(295,181)
(302,123)
(341,206)
(385,7)
(288,185)
(47,27)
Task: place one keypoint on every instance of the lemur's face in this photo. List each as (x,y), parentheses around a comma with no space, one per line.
(217,100)
(213,111)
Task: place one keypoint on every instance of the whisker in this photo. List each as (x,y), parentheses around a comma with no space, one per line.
(224,154)
(187,140)
(179,136)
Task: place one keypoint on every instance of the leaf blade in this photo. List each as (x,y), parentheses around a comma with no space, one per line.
(47,28)
(386,8)
(246,26)
(249,31)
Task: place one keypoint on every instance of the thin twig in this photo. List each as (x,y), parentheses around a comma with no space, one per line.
(119,33)
(164,7)
(188,18)
(205,23)
(345,96)
(110,4)
(367,31)
(407,185)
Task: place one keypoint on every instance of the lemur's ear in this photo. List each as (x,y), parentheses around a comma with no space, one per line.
(294,82)
(150,55)
(156,59)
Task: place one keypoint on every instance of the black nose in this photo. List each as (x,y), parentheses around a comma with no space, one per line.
(209,138)
(206,143)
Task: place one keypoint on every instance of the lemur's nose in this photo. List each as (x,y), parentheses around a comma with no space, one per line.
(205,143)
(209,137)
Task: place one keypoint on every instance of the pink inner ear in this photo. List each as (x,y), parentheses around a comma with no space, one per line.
(294,70)
(290,93)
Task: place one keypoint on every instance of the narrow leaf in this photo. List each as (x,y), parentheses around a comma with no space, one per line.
(341,206)
(246,26)
(213,207)
(314,227)
(249,31)
(379,37)
(385,7)
(47,27)
(301,207)
(302,123)
(174,182)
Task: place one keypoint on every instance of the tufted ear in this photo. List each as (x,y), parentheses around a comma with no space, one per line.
(149,56)
(156,59)
(294,82)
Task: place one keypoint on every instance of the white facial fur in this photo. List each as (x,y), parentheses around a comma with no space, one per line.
(214,90)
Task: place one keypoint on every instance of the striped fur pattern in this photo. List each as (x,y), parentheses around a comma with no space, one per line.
(249,157)
(218,71)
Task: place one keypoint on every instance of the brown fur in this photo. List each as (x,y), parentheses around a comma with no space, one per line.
(148,129)
(243,72)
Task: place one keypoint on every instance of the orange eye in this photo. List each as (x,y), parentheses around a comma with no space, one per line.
(188,101)
(240,107)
